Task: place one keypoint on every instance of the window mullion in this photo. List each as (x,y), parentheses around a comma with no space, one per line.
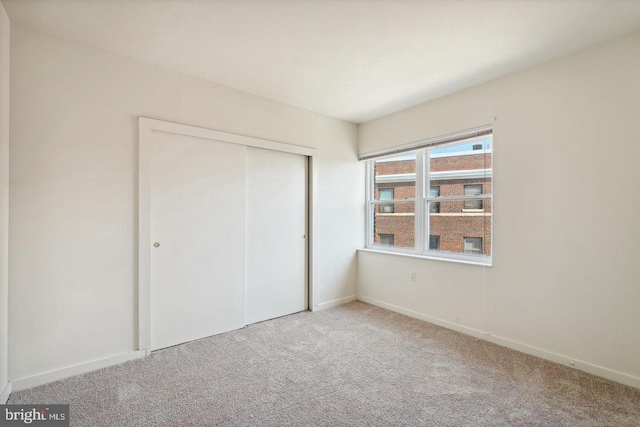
(369,239)
(419,202)
(425,203)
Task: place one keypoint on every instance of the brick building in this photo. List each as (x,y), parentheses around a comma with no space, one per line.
(459,226)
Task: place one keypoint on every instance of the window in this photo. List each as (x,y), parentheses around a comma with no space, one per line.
(393,180)
(434,243)
(434,191)
(386,239)
(473,245)
(473,190)
(440,194)
(386,194)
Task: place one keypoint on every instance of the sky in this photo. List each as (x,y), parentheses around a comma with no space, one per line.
(486,143)
(462,147)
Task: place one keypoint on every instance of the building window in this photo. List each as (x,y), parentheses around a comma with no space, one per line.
(386,239)
(473,190)
(434,243)
(473,245)
(386,194)
(440,194)
(434,191)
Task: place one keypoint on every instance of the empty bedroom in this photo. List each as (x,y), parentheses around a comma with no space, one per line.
(319,212)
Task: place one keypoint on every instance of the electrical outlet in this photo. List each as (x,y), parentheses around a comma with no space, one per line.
(413,276)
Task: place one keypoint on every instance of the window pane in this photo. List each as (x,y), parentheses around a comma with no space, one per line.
(395,228)
(395,177)
(457,228)
(462,170)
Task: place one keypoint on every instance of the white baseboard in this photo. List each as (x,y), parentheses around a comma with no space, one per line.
(59,374)
(581,365)
(329,304)
(463,329)
(4,395)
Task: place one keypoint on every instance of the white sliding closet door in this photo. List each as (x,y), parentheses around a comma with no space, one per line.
(198,189)
(276,269)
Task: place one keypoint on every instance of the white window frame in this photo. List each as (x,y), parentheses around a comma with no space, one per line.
(421,202)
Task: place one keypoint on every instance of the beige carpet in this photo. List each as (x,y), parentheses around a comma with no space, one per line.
(353,365)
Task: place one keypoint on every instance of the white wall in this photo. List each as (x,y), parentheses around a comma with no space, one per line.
(565,283)
(74,162)
(4,199)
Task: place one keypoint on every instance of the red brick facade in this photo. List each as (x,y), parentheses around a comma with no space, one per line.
(450,221)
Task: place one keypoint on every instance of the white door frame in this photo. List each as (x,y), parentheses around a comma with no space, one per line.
(146,127)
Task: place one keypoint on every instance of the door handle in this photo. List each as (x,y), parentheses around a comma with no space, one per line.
(156,244)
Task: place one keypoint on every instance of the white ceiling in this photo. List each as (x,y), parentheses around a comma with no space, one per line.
(351,59)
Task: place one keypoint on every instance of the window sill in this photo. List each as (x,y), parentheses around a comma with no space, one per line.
(484,263)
